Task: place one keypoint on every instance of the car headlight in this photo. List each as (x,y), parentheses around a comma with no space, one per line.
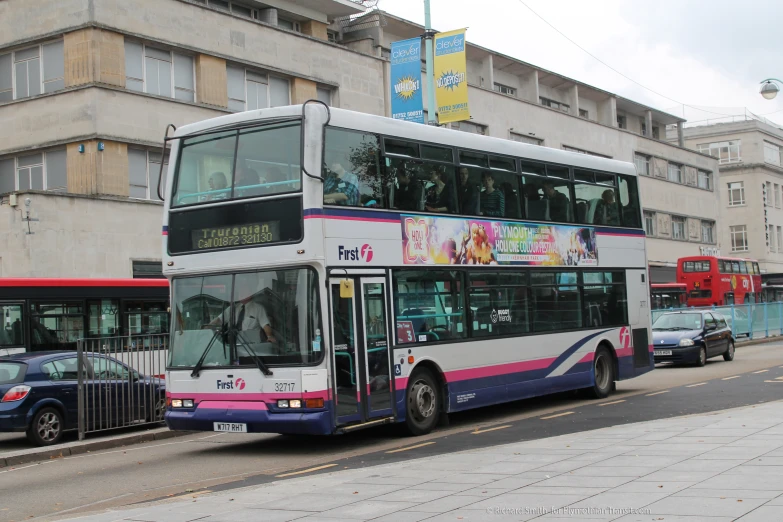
(686,342)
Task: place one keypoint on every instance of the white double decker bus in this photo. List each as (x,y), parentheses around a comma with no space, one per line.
(332,270)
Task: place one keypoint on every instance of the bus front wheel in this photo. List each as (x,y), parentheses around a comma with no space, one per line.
(423,402)
(603,373)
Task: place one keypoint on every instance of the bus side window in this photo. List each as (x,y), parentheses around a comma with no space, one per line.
(629,202)
(352,173)
(12,333)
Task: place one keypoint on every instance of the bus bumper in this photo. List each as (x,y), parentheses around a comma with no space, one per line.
(257,421)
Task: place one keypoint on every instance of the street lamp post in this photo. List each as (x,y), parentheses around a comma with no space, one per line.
(769,89)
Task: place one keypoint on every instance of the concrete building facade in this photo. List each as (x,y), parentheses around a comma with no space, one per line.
(87,89)
(750,156)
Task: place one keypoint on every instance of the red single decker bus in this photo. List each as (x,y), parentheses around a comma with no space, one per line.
(668,295)
(53,313)
(720,281)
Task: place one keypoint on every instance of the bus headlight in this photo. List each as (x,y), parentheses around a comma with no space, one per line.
(295,403)
(176,403)
(686,342)
(283,403)
(187,403)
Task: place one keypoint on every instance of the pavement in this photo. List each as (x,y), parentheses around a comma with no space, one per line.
(719,466)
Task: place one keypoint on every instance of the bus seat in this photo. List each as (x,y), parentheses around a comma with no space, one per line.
(536,209)
(581,212)
(590,217)
(419,323)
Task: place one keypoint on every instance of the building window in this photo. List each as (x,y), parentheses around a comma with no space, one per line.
(771,238)
(250,90)
(739,238)
(656,133)
(725,151)
(642,163)
(780,239)
(39,171)
(621,122)
(552,104)
(768,194)
(678,228)
(332,36)
(582,151)
(584,114)
(324,94)
(467,126)
(32,71)
(505,89)
(148,269)
(159,72)
(772,153)
(288,24)
(526,139)
(776,190)
(649,223)
(736,193)
(708,232)
(643,126)
(143,171)
(705,180)
(675,172)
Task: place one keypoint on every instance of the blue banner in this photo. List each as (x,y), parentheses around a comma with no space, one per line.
(406,81)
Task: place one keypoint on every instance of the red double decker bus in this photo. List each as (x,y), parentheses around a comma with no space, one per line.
(668,295)
(720,281)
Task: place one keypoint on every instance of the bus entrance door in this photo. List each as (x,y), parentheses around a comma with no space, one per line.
(360,350)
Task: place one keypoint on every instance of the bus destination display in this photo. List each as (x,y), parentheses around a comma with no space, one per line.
(236,235)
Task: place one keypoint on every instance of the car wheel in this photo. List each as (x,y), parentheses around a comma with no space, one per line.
(702,360)
(423,402)
(46,428)
(603,371)
(729,355)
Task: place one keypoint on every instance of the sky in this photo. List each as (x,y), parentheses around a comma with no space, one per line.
(705,59)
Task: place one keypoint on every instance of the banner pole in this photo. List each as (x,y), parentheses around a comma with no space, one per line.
(428,35)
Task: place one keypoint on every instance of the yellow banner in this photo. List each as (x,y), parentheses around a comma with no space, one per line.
(451,76)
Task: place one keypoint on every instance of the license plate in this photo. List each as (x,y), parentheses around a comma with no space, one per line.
(232,427)
(662,352)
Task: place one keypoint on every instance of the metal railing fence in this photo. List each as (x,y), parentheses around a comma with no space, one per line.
(751,321)
(121,382)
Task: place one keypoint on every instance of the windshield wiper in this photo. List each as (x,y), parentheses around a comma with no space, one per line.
(261,365)
(200,363)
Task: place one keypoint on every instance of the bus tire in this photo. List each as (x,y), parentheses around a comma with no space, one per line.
(423,402)
(603,374)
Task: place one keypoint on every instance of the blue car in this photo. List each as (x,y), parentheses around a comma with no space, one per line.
(39,395)
(691,336)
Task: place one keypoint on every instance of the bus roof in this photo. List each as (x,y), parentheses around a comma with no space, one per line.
(723,258)
(418,132)
(87,282)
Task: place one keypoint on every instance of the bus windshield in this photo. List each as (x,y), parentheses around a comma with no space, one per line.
(250,162)
(233,319)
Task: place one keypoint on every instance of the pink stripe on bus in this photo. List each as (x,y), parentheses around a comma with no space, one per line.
(500,369)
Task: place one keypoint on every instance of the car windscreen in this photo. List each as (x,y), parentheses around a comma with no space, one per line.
(12,372)
(678,322)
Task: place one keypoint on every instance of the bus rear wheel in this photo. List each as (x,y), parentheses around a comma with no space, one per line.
(423,402)
(603,373)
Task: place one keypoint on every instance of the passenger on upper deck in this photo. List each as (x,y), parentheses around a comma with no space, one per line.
(558,203)
(440,196)
(467,194)
(407,194)
(340,186)
(493,202)
(247,177)
(217,181)
(606,212)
